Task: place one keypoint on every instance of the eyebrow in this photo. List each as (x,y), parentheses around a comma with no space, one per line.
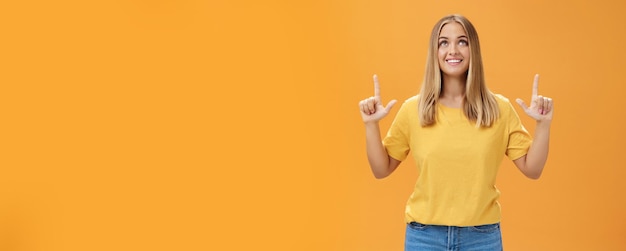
(463,36)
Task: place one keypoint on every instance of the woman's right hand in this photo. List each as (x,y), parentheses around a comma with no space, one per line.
(372,109)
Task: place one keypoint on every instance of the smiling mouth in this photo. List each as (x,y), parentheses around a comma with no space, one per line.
(454,60)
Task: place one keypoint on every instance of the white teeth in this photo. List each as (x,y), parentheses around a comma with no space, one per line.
(454,60)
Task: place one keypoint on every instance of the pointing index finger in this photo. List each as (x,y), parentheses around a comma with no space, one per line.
(376,87)
(535,86)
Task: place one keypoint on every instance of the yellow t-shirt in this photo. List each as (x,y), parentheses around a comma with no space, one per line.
(457,162)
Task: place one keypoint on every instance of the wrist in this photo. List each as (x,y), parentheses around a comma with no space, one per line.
(371,124)
(544,123)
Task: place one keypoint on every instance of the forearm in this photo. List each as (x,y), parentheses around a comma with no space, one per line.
(538,153)
(376,153)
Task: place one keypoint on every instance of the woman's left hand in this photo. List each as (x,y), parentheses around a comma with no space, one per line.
(541,108)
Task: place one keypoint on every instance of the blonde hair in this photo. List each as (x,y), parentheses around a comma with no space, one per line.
(479,104)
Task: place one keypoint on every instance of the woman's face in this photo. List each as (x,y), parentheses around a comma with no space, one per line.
(454,53)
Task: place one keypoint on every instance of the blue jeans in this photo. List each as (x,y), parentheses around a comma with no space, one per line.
(420,237)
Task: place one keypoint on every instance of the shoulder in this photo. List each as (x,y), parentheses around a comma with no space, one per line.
(409,106)
(412,100)
(506,107)
(503,102)
(501,99)
(410,103)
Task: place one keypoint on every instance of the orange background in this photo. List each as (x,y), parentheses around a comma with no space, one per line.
(233,125)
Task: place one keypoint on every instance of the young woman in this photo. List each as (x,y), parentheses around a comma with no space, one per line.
(458,132)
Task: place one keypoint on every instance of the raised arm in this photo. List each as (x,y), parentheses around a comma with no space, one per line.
(541,109)
(372,111)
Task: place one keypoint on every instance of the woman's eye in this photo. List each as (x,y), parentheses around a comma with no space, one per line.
(443,43)
(463,42)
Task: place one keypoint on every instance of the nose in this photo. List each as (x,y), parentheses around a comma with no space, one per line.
(453,50)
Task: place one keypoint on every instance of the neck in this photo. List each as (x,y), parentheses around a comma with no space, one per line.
(453,87)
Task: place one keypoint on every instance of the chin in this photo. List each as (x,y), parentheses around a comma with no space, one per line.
(455,73)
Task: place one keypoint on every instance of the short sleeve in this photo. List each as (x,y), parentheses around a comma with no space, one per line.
(519,139)
(397,140)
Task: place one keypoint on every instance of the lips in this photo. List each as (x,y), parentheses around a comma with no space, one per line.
(454,61)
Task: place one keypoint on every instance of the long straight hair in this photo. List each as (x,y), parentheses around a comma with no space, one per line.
(479,104)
